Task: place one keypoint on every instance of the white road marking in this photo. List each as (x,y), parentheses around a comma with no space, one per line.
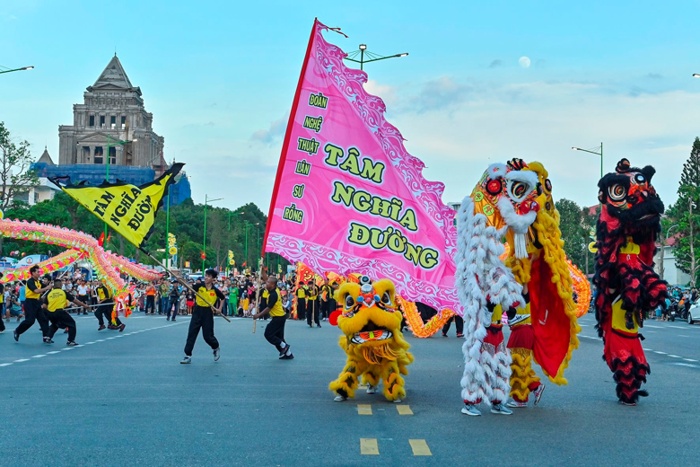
(653,327)
(677,327)
(690,365)
(690,360)
(660,352)
(54,352)
(674,356)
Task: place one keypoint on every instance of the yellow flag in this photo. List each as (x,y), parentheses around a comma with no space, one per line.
(128,209)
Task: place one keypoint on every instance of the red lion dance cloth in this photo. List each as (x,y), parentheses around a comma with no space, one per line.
(627,286)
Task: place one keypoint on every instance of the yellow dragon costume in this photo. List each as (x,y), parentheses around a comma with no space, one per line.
(376,350)
(545,328)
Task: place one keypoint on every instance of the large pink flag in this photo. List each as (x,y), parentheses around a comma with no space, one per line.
(348,197)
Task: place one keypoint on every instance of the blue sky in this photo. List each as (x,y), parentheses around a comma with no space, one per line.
(219,78)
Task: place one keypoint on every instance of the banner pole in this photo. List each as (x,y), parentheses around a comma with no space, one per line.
(171,274)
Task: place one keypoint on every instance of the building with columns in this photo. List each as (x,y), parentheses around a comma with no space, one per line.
(111,138)
(113,123)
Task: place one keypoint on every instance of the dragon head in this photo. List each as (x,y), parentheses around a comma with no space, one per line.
(369,313)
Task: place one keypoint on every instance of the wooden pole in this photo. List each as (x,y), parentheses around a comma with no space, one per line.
(171,274)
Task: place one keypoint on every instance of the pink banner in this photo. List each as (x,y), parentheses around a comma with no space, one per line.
(348,197)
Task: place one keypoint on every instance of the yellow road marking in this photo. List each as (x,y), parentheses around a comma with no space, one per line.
(404,409)
(419,447)
(364,409)
(369,447)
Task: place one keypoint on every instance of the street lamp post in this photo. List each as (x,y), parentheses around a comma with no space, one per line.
(246,242)
(109,157)
(593,152)
(111,142)
(30,67)
(167,231)
(204,241)
(372,57)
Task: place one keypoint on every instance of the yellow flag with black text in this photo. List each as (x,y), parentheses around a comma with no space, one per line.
(128,209)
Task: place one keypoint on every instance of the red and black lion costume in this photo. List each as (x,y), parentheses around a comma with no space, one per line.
(627,286)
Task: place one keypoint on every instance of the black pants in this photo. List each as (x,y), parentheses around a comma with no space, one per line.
(459,324)
(325,309)
(312,309)
(274,331)
(60,319)
(173,308)
(201,318)
(301,308)
(150,303)
(33,312)
(85,299)
(104,313)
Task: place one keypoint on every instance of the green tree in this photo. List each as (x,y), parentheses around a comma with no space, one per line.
(685,213)
(573,232)
(15,176)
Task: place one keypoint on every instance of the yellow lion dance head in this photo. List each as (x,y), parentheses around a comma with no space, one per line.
(376,350)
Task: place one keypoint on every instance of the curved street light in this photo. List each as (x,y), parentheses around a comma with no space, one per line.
(372,56)
(30,67)
(204,241)
(590,151)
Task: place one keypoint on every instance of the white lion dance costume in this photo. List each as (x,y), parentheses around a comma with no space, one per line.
(503,201)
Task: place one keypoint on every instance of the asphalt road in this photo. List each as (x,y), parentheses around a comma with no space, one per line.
(124,399)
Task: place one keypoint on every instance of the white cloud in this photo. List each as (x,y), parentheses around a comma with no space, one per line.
(542,121)
(273,134)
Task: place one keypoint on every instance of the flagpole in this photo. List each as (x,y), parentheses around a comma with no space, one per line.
(214,310)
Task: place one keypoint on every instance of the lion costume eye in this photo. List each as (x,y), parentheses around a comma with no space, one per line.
(639,178)
(386,298)
(518,190)
(617,192)
(349,302)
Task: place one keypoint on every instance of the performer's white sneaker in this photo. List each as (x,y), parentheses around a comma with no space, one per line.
(340,398)
(538,393)
(500,409)
(470,409)
(516,404)
(517,319)
(371,389)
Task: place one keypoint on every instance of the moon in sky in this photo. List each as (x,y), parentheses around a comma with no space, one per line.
(524,61)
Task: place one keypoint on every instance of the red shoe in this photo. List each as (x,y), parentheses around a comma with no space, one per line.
(102,326)
(121,327)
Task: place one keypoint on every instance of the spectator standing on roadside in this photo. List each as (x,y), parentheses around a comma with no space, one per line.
(232,299)
(83,293)
(174,302)
(164,292)
(151,298)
